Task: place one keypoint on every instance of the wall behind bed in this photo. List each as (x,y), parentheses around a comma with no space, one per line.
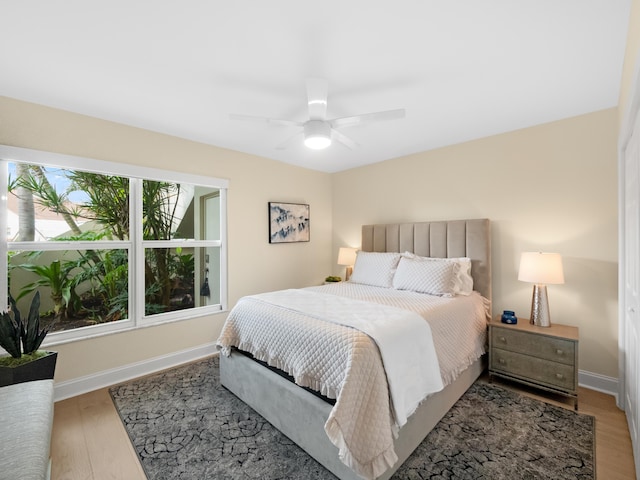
(552,187)
(254,264)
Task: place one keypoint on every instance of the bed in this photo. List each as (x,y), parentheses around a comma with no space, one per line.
(302,414)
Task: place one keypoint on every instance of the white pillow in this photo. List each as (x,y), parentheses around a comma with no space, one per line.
(463,281)
(376,269)
(434,278)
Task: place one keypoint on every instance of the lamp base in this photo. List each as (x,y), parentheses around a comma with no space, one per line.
(540,307)
(347,273)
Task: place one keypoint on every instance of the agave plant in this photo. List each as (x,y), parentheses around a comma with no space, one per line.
(14,331)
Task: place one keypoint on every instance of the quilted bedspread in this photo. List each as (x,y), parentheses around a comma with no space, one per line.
(343,362)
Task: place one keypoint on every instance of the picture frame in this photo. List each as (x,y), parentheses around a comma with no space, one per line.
(289,222)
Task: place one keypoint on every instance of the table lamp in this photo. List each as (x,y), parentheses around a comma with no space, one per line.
(347,258)
(541,269)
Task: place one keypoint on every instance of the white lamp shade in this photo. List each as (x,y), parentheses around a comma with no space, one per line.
(347,256)
(541,268)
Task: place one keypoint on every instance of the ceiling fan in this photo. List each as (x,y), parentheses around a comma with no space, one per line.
(318,131)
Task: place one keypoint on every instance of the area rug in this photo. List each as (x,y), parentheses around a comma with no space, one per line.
(185,425)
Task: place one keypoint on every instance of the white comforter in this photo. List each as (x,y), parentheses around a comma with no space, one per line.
(344,363)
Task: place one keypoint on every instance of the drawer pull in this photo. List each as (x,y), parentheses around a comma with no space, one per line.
(502,361)
(559,352)
(559,376)
(502,339)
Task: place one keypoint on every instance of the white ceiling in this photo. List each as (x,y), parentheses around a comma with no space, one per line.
(462,69)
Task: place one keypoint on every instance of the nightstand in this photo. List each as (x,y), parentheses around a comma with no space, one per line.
(542,357)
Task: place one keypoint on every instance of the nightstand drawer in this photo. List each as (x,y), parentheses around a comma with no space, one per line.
(534,369)
(542,346)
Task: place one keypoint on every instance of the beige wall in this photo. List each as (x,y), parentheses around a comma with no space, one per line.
(632,53)
(552,187)
(254,264)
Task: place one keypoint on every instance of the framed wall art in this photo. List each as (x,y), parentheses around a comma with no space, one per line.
(288,222)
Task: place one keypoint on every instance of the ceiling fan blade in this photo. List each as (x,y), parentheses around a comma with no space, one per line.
(287,143)
(344,140)
(273,121)
(317,89)
(367,118)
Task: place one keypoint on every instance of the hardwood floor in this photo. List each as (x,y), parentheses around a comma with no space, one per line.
(89,441)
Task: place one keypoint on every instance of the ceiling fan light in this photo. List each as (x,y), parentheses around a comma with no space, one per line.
(318,142)
(317,134)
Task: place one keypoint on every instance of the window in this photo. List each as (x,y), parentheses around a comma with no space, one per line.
(109,246)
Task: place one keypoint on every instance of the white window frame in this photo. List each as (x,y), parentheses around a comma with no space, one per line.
(135,245)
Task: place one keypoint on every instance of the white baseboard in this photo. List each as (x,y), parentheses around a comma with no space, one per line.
(600,383)
(106,378)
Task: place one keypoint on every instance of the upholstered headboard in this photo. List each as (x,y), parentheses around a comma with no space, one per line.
(444,239)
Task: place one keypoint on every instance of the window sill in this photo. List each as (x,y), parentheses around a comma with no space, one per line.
(52,341)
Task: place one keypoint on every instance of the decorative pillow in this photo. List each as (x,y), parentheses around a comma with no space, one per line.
(376,269)
(434,278)
(463,279)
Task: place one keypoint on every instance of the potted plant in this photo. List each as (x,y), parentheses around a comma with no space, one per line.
(332,279)
(22,339)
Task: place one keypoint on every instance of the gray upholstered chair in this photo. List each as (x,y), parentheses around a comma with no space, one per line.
(26,420)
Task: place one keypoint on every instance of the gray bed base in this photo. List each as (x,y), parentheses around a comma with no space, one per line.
(301,416)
